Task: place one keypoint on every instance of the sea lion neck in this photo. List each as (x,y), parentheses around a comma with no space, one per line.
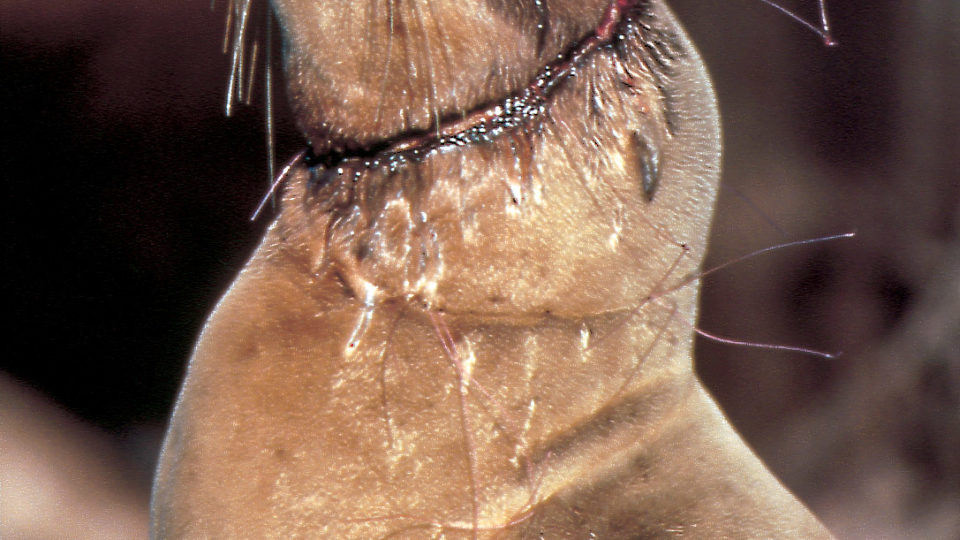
(415,64)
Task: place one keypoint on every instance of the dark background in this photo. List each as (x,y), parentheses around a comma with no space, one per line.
(128,194)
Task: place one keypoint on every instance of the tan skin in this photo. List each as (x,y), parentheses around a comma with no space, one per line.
(487,340)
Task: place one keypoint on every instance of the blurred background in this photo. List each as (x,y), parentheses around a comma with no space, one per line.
(129,193)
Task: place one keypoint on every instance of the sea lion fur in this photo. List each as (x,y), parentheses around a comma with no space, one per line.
(491,339)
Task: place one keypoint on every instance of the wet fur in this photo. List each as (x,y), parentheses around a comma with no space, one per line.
(489,341)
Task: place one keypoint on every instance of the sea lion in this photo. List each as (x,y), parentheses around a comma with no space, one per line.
(473,316)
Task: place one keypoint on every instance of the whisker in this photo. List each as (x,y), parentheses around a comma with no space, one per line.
(238,53)
(767,346)
(227,31)
(250,74)
(700,275)
(463,380)
(823,31)
(268,102)
(785,245)
(276,183)
(753,206)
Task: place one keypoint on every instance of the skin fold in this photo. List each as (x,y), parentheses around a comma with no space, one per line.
(490,339)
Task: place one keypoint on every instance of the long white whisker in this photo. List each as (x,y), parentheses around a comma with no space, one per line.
(823,31)
(238,44)
(268,100)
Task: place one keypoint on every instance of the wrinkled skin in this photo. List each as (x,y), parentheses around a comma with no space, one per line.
(494,341)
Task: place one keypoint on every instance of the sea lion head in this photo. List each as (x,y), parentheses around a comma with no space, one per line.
(476,159)
(451,329)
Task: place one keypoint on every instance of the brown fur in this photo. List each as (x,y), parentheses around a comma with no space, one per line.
(489,342)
